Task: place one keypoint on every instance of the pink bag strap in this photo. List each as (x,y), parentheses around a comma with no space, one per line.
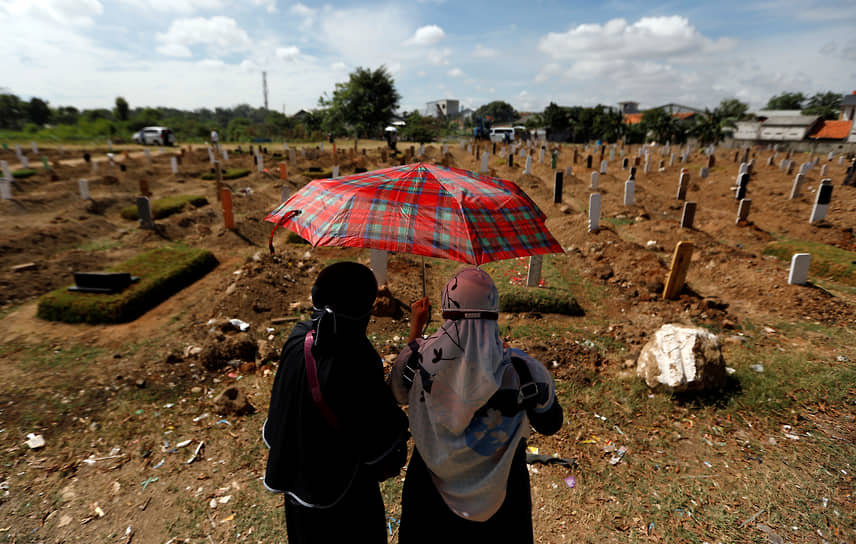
(314,385)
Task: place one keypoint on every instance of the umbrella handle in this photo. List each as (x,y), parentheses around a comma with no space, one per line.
(285,217)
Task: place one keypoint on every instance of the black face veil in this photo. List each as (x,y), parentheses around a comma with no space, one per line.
(343,296)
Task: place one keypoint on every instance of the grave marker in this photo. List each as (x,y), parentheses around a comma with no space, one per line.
(742,185)
(588,162)
(83,188)
(7,174)
(823,170)
(629,192)
(557,186)
(25,162)
(683,185)
(821,201)
(228,216)
(283,170)
(541,155)
(219,174)
(790,167)
(594,179)
(291,156)
(510,160)
(94,168)
(603,164)
(484,163)
(672,159)
(569,171)
(688,215)
(35,148)
(284,192)
(703,172)
(800,263)
(528,168)
(533,276)
(798,181)
(173,162)
(148,156)
(678,271)
(594,212)
(225,154)
(711,160)
(378,264)
(633,172)
(336,171)
(841,160)
(144,188)
(553,158)
(612,153)
(261,162)
(624,163)
(144,211)
(743,211)
(5,189)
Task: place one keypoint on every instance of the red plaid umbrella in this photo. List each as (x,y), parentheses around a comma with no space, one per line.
(422,209)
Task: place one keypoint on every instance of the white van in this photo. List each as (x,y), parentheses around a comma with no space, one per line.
(497,134)
(155,136)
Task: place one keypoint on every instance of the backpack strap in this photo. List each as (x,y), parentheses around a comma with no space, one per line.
(528,387)
(314,385)
(412,365)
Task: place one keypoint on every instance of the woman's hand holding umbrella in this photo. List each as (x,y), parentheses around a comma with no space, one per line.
(419,318)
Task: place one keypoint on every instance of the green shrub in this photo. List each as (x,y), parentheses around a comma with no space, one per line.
(165,207)
(24,173)
(231,173)
(163,272)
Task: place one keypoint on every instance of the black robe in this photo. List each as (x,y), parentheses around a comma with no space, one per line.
(330,476)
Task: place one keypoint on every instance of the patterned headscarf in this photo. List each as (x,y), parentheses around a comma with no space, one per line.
(467,447)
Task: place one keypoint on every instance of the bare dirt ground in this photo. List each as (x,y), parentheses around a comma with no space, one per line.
(116,404)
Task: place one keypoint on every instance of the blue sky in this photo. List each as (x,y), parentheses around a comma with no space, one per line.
(209,53)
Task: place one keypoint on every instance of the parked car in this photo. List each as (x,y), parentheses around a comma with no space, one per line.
(155,136)
(498,134)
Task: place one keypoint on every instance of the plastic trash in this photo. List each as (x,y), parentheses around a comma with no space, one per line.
(35,441)
(242,325)
(619,455)
(571,481)
(759,368)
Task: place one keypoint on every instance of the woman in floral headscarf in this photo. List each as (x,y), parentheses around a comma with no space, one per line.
(471,404)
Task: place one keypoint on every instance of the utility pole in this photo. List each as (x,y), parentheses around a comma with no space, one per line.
(264,88)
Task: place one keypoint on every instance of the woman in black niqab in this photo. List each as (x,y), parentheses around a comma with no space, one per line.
(328,460)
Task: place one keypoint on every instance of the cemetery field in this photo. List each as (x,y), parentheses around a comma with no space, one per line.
(137,448)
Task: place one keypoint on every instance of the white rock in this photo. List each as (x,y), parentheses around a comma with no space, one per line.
(680,358)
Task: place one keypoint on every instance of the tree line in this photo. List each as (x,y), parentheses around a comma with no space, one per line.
(367,102)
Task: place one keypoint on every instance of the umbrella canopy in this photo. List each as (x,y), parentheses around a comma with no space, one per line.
(422,209)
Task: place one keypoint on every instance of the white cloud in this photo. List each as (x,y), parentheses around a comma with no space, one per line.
(484,52)
(426,35)
(211,63)
(221,34)
(301,10)
(363,45)
(456,72)
(338,66)
(269,5)
(289,53)
(438,57)
(184,7)
(73,12)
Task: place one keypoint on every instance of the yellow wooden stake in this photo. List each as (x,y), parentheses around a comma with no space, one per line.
(678,272)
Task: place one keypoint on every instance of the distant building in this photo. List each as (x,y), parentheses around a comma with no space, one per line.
(632,115)
(443,108)
(786,128)
(848,113)
(628,107)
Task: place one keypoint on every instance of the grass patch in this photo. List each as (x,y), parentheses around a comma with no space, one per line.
(23,173)
(826,261)
(44,358)
(231,173)
(619,221)
(551,296)
(322,174)
(162,271)
(99,245)
(165,207)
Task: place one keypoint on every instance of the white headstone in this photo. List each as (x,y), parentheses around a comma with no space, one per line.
(798,181)
(291,156)
(528,167)
(647,165)
(173,162)
(799,269)
(210,156)
(35,148)
(830,155)
(148,155)
(469,148)
(541,155)
(594,180)
(4,166)
(18,152)
(594,212)
(225,154)
(25,162)
(821,201)
(284,192)
(743,210)
(603,165)
(445,148)
(743,169)
(612,153)
(533,275)
(321,147)
(484,163)
(841,160)
(285,147)
(83,186)
(629,192)
(94,167)
(703,172)
(377,262)
(569,171)
(672,159)
(804,168)
(261,162)
(109,144)
(823,170)
(5,189)
(336,171)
